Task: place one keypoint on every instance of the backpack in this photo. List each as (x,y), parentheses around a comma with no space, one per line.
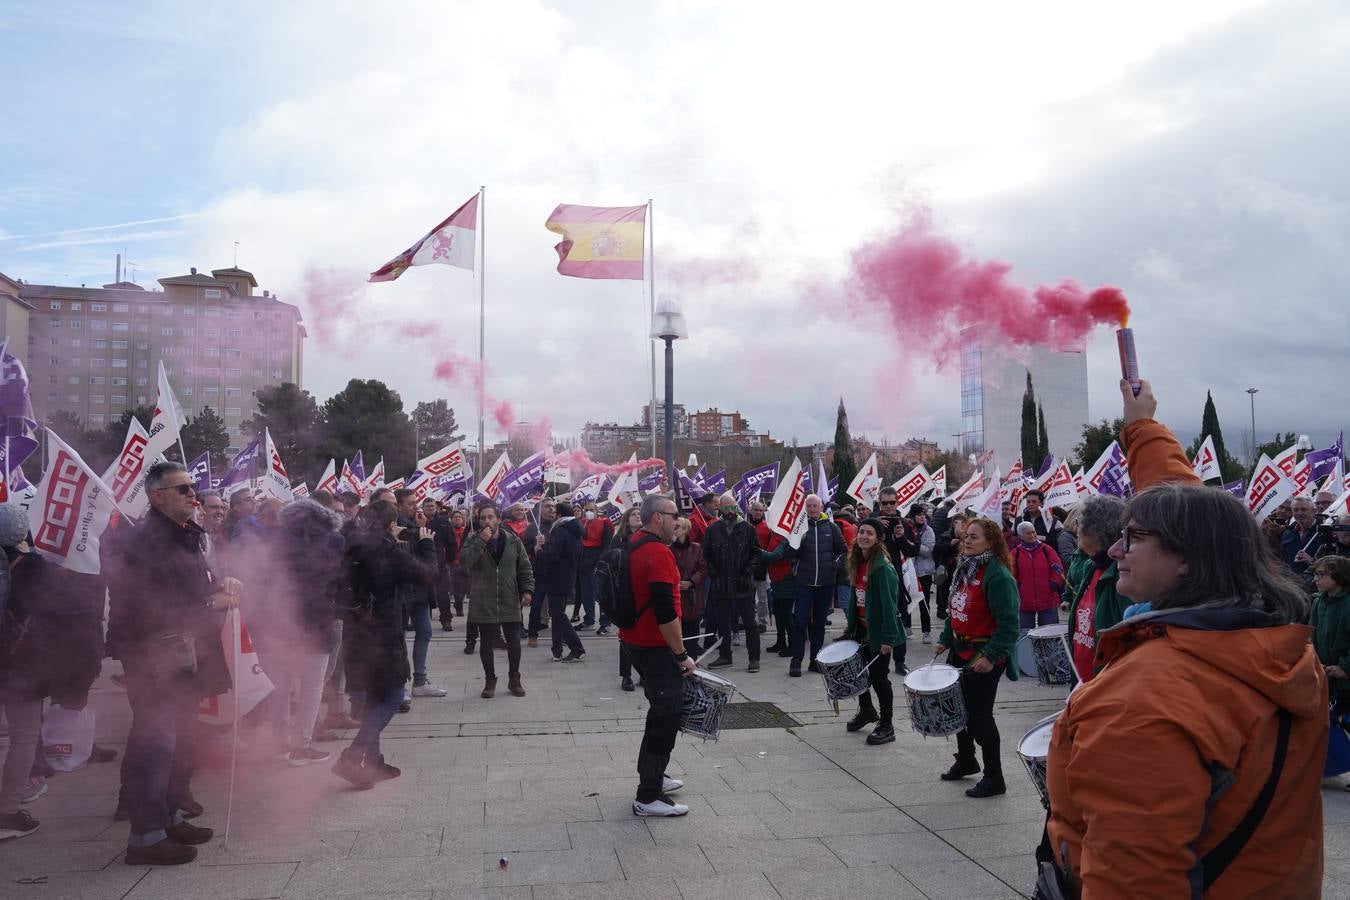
(614,587)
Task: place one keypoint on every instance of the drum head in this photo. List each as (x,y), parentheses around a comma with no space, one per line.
(1049,631)
(932,678)
(716,681)
(1035,744)
(837,652)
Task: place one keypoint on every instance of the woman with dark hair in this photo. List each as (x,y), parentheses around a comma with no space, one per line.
(980,638)
(1094,604)
(874,624)
(374,650)
(1192,763)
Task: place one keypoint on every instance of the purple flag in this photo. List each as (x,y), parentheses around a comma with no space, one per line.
(241,469)
(806,479)
(701,476)
(16,406)
(520,481)
(199,470)
(717,484)
(14,450)
(1236,488)
(1323,461)
(1047,465)
(762,479)
(691,486)
(830,490)
(651,481)
(358,466)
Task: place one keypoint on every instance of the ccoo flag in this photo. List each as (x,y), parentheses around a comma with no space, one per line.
(71,510)
(600,241)
(450,243)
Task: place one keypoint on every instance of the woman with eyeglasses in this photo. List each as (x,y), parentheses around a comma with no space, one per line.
(1191,764)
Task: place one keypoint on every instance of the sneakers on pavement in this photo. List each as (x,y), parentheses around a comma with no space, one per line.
(928,637)
(427,690)
(573,656)
(670,785)
(187,833)
(167,852)
(35,788)
(721,662)
(662,807)
(303,756)
(17,825)
(349,767)
(627,685)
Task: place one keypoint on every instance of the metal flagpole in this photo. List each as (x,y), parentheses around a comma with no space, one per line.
(482,340)
(651,313)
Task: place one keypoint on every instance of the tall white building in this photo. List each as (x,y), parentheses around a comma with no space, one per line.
(992,386)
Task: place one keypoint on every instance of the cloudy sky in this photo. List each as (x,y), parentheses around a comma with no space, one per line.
(1190,153)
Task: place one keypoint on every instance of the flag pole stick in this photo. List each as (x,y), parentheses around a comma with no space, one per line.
(651,313)
(482,266)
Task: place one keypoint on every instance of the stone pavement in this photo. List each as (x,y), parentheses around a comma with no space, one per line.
(545,781)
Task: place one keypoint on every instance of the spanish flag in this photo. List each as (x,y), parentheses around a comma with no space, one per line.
(600,241)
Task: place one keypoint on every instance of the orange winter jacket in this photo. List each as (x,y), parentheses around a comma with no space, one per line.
(1155,761)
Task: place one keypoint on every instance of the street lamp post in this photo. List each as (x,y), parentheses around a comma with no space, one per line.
(1252,392)
(668,325)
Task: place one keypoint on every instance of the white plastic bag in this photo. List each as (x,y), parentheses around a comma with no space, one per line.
(911,581)
(251,685)
(67,737)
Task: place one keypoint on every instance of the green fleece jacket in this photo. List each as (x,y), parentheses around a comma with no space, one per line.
(1000,590)
(1110,608)
(1330,621)
(879,603)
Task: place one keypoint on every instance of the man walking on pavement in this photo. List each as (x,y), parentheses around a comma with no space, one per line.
(731,551)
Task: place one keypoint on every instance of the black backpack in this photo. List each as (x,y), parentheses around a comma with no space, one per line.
(613,586)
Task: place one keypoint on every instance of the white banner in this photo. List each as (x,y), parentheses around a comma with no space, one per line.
(168,419)
(71,510)
(491,484)
(911,487)
(250,684)
(1268,489)
(328,480)
(866,486)
(1206,462)
(275,481)
(447,462)
(624,492)
(787,510)
(1060,490)
(987,502)
(126,476)
(975,484)
(375,480)
(938,481)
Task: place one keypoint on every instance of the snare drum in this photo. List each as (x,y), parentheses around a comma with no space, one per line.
(1033,749)
(842,669)
(1049,647)
(705,697)
(937,707)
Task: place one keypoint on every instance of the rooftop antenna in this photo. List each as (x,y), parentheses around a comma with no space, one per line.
(236,254)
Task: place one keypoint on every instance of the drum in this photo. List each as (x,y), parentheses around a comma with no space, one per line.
(1050,649)
(705,697)
(937,707)
(1026,657)
(1033,749)
(841,667)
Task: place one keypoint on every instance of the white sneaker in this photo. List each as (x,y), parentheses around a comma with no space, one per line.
(928,637)
(427,690)
(670,785)
(660,807)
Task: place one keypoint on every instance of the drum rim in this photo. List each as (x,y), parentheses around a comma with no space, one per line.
(842,645)
(939,668)
(712,678)
(1048,635)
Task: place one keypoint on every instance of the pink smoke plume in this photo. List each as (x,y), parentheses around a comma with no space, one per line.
(580,459)
(927,286)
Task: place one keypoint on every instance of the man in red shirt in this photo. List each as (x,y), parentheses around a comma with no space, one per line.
(655,644)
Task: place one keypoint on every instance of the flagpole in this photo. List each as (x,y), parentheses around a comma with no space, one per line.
(482,331)
(651,313)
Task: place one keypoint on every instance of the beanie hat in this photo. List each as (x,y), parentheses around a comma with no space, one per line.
(13,525)
(877,525)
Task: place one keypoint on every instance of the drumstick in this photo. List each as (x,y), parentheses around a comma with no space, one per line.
(706,653)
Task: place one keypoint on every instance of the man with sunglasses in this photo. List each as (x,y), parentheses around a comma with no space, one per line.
(166,616)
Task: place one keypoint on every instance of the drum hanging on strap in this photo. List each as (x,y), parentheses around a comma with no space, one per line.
(1033,749)
(937,707)
(842,669)
(1050,649)
(705,697)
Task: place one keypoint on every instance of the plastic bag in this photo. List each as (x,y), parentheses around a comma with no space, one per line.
(67,737)
(1338,748)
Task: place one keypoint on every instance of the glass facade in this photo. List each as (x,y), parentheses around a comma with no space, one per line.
(972,397)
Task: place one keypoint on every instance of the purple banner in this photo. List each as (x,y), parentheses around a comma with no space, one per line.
(358,466)
(1323,461)
(651,481)
(16,407)
(717,484)
(1046,466)
(241,469)
(199,470)
(1236,488)
(520,481)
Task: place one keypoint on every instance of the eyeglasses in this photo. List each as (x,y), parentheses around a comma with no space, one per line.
(887,502)
(1132,534)
(186,490)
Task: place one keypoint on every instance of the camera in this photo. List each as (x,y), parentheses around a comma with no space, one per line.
(1328,527)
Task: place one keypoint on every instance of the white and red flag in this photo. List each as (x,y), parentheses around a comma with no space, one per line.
(491,485)
(1269,488)
(987,502)
(787,510)
(866,486)
(913,486)
(348,480)
(328,480)
(70,511)
(168,420)
(375,480)
(624,492)
(275,482)
(126,476)
(939,481)
(973,485)
(1206,462)
(450,243)
(1287,460)
(447,462)
(1060,490)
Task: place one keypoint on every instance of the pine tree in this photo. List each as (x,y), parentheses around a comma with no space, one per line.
(845,467)
(1030,459)
(1042,439)
(1209,425)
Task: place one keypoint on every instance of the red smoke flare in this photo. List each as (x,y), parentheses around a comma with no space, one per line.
(932,291)
(580,459)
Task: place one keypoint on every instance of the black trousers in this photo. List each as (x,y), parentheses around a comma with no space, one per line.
(782,616)
(723,609)
(921,601)
(510,631)
(881,684)
(663,685)
(979,691)
(943,592)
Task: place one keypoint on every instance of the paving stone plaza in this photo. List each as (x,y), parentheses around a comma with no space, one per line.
(544,783)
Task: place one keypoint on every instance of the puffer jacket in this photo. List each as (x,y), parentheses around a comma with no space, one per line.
(1157,759)
(731,551)
(819,554)
(1330,622)
(495,586)
(556,564)
(1039,575)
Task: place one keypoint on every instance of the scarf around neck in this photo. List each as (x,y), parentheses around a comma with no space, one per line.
(969,565)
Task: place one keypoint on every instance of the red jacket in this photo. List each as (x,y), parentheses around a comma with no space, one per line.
(770,540)
(1039,574)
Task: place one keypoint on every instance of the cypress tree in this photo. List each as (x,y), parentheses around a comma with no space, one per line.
(1042,439)
(1209,425)
(845,467)
(1029,442)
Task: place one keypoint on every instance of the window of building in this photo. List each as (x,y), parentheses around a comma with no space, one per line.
(256,332)
(166,351)
(211,372)
(233,392)
(231,313)
(211,312)
(54,360)
(277,354)
(189,332)
(98,307)
(119,399)
(142,309)
(98,343)
(260,354)
(56,304)
(142,345)
(98,325)
(97,362)
(233,411)
(276,373)
(166,310)
(121,326)
(143,327)
(72,379)
(74,342)
(97,419)
(140,382)
(188,351)
(76,307)
(75,324)
(234,373)
(140,399)
(119,345)
(72,398)
(53,379)
(119,363)
(257,314)
(74,361)
(96,398)
(166,332)
(234,332)
(211,293)
(56,323)
(187,391)
(211,332)
(95,379)
(210,351)
(51,396)
(121,307)
(189,312)
(141,364)
(232,353)
(55,342)
(210,392)
(119,380)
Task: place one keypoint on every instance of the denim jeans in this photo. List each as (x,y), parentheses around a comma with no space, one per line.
(587,598)
(421,620)
(379,711)
(286,666)
(534,624)
(808,617)
(1035,619)
(159,750)
(560,627)
(664,687)
(25,720)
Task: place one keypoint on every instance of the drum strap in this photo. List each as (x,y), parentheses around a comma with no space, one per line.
(1218,859)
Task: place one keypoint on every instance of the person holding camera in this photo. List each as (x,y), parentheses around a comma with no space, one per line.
(501,580)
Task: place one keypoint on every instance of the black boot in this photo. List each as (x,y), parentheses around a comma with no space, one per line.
(882,734)
(988,786)
(867,714)
(961,768)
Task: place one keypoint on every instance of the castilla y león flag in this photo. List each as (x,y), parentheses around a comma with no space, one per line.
(600,241)
(450,243)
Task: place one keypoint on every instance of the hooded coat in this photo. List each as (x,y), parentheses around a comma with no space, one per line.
(556,563)
(496,585)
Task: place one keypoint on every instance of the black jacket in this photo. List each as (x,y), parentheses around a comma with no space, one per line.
(731,550)
(555,568)
(819,554)
(373,646)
